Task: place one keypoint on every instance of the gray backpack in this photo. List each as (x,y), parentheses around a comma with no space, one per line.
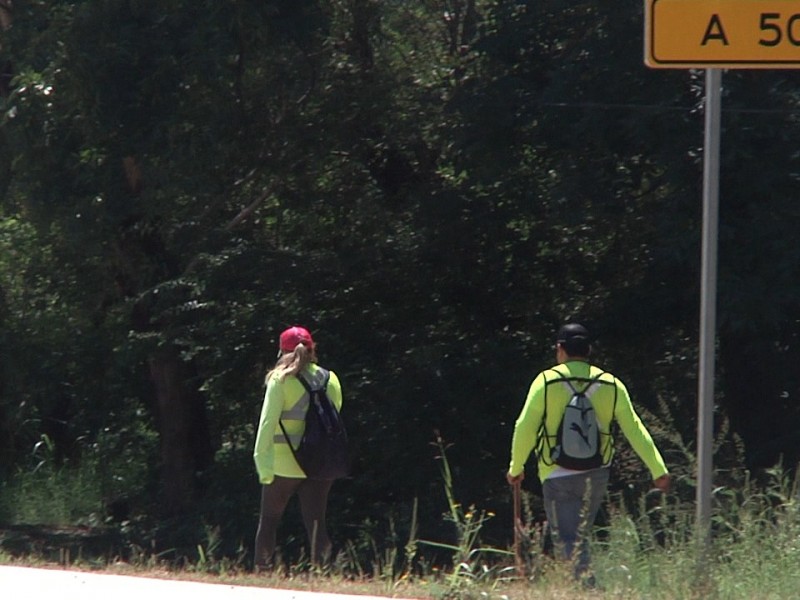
(578,443)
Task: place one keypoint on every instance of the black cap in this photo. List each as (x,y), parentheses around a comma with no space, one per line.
(574,338)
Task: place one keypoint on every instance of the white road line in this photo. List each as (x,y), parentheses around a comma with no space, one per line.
(24,583)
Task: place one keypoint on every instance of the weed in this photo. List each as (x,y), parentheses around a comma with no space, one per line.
(472,561)
(648,551)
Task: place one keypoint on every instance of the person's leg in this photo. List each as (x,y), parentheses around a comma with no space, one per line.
(594,494)
(571,504)
(313,494)
(274,498)
(563,497)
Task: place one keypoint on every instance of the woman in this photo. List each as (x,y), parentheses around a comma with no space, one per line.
(285,403)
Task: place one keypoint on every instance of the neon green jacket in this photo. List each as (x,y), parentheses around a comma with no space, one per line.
(527,429)
(287,401)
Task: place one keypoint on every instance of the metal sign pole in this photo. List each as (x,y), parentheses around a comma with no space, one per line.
(708,301)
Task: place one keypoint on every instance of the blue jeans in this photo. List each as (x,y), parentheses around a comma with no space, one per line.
(571,504)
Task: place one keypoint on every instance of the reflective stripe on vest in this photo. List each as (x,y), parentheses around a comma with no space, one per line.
(293,437)
(298,411)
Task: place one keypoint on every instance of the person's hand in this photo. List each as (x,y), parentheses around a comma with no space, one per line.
(514,479)
(662,483)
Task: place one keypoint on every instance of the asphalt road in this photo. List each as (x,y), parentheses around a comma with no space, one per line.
(23,583)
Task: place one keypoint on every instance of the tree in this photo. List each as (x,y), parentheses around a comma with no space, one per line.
(432,187)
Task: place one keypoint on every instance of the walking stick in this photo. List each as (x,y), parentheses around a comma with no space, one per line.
(518,529)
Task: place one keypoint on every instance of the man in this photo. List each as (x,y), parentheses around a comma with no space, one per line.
(573,493)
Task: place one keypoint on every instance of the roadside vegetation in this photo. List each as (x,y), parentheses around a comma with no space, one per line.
(432,187)
(650,552)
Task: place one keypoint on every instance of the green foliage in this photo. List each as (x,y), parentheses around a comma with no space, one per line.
(430,187)
(50,495)
(66,493)
(650,553)
(752,548)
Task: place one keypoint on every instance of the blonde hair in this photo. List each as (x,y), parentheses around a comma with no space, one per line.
(291,363)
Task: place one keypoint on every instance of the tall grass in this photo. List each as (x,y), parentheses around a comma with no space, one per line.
(474,565)
(51,494)
(654,552)
(647,553)
(753,551)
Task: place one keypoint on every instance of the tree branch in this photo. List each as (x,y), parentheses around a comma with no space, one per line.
(249,209)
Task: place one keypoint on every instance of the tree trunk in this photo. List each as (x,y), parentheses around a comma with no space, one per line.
(182,424)
(6,14)
(756,380)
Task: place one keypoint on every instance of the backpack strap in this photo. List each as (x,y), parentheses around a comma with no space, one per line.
(590,383)
(543,446)
(286,438)
(326,376)
(611,425)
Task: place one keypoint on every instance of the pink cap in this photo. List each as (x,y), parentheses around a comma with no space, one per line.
(294,336)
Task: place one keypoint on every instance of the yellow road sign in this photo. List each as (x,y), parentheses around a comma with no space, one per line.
(728,34)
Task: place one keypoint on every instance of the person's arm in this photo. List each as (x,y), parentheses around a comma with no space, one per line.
(639,438)
(335,391)
(264,451)
(526,430)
